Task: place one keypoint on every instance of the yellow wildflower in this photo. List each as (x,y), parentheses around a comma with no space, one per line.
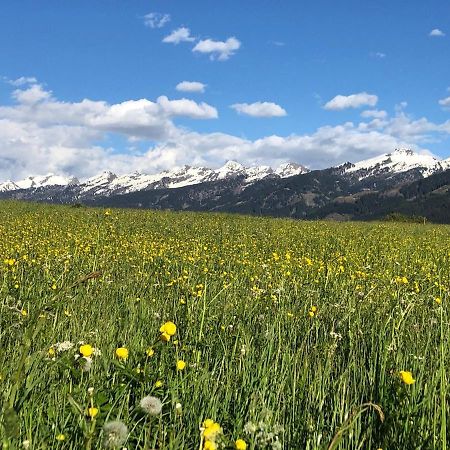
(150,352)
(169,327)
(165,337)
(60,437)
(407,377)
(92,412)
(240,444)
(181,364)
(122,353)
(86,350)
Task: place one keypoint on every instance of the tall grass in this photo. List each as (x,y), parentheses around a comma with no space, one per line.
(293,333)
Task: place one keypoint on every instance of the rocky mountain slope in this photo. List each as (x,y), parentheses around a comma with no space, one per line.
(365,190)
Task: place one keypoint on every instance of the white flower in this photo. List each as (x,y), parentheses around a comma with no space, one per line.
(151,405)
(63,346)
(114,434)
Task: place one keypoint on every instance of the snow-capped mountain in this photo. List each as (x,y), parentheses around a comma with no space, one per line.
(400,160)
(108,183)
(38,181)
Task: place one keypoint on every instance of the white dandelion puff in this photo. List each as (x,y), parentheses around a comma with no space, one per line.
(151,405)
(114,434)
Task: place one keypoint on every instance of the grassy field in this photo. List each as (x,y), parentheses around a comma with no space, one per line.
(289,335)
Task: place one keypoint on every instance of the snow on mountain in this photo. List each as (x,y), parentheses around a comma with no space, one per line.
(256,173)
(401,160)
(108,183)
(99,184)
(38,181)
(8,186)
(290,169)
(229,170)
(188,175)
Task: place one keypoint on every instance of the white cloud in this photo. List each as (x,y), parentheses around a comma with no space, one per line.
(22,81)
(181,34)
(187,108)
(72,138)
(33,94)
(220,50)
(445,102)
(436,32)
(156,20)
(190,86)
(351,101)
(259,109)
(379,55)
(375,113)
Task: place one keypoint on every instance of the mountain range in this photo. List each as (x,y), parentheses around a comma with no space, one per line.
(401,181)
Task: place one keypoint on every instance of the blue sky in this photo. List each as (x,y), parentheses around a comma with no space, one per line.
(381,56)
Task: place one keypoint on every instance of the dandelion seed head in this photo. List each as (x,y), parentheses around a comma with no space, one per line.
(114,434)
(151,405)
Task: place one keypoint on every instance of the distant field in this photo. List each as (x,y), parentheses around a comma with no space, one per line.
(294,335)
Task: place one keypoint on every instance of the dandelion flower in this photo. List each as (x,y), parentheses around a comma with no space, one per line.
(158,384)
(150,352)
(240,444)
(86,350)
(207,423)
(114,434)
(92,412)
(212,431)
(165,337)
(181,364)
(151,405)
(60,437)
(209,445)
(407,377)
(122,353)
(169,327)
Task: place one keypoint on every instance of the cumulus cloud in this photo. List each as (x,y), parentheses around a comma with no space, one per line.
(445,102)
(187,108)
(156,20)
(191,86)
(181,34)
(32,95)
(259,109)
(436,32)
(220,50)
(71,138)
(351,101)
(375,113)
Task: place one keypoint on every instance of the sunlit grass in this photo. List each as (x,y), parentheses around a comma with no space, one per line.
(287,334)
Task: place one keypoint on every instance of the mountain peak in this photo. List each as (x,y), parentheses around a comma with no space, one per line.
(232,165)
(400,160)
